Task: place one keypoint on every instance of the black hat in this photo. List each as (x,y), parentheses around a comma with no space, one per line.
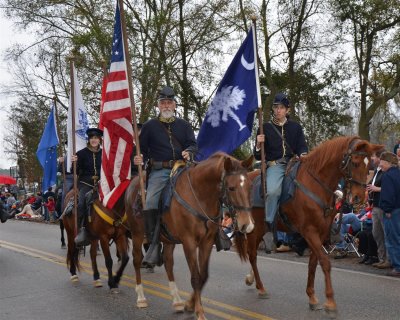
(94,132)
(390,157)
(166,93)
(281,98)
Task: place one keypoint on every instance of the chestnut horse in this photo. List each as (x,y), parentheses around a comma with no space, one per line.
(112,225)
(193,219)
(319,173)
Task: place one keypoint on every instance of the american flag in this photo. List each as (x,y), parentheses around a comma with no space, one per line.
(116,119)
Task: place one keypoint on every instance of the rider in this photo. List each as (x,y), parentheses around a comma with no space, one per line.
(88,168)
(283,138)
(163,141)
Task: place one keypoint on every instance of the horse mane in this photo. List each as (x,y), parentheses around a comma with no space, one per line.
(327,152)
(219,158)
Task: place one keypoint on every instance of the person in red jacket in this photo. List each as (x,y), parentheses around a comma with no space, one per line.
(51,207)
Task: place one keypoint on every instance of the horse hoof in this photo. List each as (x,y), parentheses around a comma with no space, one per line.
(114,290)
(263,295)
(74,278)
(315,307)
(331,313)
(142,304)
(178,306)
(189,308)
(248,280)
(98,283)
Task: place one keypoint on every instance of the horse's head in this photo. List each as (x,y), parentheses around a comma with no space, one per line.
(236,192)
(355,168)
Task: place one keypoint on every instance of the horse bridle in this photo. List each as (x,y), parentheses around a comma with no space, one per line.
(347,165)
(224,200)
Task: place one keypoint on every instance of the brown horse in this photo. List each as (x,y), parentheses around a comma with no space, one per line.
(105,225)
(319,172)
(193,219)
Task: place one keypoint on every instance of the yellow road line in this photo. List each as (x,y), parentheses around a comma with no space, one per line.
(86,267)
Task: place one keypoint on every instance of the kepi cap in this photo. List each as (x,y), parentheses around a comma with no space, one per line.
(166,93)
(390,157)
(91,132)
(281,98)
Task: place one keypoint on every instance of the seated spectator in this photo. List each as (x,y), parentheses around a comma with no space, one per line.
(10,201)
(227,223)
(283,242)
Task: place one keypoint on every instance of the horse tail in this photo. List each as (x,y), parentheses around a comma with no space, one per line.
(241,246)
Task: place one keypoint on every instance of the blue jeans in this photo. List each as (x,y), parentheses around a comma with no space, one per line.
(157,181)
(392,237)
(68,183)
(349,219)
(275,175)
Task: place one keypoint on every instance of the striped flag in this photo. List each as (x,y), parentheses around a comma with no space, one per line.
(116,119)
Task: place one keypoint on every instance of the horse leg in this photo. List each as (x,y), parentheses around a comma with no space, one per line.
(168,256)
(204,253)
(62,234)
(312,266)
(93,254)
(109,263)
(122,247)
(190,251)
(315,244)
(72,255)
(252,245)
(137,255)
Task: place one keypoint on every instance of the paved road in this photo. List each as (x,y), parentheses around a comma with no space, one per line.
(34,284)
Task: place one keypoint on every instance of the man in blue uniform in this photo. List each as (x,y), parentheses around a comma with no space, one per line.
(88,168)
(282,139)
(163,141)
(390,204)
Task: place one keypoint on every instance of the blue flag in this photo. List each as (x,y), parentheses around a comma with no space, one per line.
(229,119)
(47,153)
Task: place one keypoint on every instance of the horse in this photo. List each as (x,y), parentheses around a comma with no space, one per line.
(319,173)
(105,224)
(193,219)
(3,213)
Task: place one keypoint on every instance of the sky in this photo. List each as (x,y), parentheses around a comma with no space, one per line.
(9,35)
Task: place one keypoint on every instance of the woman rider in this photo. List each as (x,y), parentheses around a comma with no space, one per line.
(88,166)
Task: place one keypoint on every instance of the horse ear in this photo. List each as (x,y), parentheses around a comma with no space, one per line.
(248,163)
(228,165)
(376,147)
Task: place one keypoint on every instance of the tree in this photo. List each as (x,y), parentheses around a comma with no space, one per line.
(370,24)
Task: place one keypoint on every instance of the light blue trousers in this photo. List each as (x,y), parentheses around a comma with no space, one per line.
(157,181)
(275,175)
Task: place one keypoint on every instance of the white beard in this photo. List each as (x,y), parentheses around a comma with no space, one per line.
(167,114)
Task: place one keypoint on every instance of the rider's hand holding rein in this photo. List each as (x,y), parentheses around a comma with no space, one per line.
(74,158)
(187,155)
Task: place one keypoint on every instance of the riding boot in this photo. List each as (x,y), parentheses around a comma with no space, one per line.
(153,255)
(269,238)
(83,237)
(3,215)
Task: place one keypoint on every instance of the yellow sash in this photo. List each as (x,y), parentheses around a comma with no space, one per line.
(108,219)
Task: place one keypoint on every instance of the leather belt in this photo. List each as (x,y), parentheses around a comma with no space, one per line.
(283,160)
(157,165)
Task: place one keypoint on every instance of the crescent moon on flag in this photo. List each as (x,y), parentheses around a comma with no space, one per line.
(246,65)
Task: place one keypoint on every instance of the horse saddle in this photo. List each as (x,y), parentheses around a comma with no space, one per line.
(288,186)
(168,191)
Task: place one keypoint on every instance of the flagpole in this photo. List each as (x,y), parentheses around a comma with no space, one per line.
(260,111)
(129,75)
(60,145)
(75,188)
